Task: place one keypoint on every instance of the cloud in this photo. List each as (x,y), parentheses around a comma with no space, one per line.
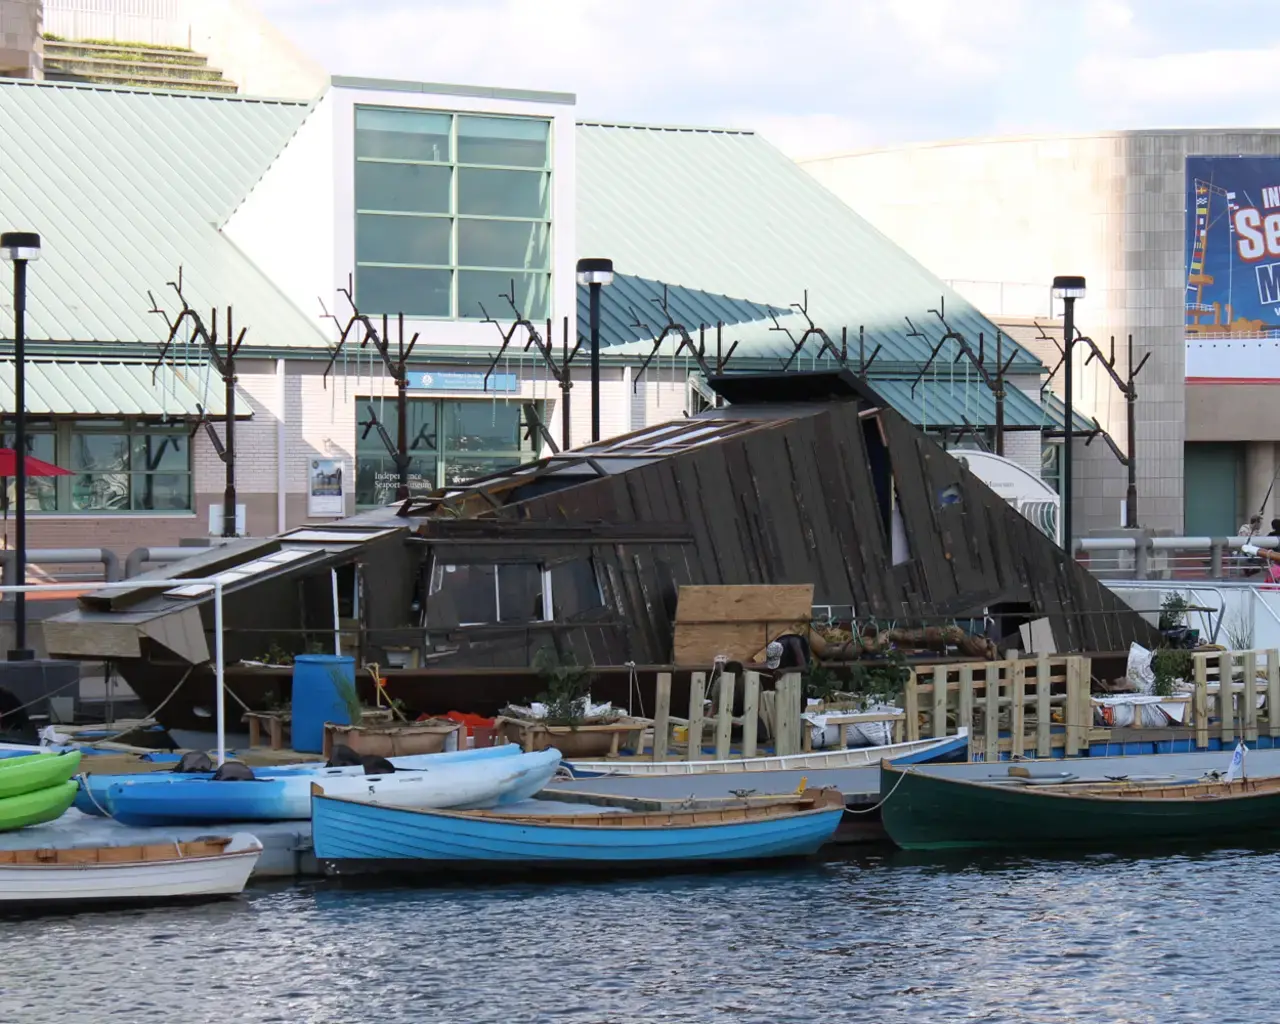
(821,75)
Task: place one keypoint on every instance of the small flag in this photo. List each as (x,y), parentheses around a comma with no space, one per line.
(1237,762)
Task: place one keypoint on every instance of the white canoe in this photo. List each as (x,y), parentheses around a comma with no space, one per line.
(213,866)
(906,753)
(472,785)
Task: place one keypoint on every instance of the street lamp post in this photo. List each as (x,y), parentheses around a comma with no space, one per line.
(1068,289)
(19,248)
(595,273)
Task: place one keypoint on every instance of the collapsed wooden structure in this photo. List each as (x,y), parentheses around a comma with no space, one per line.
(803,478)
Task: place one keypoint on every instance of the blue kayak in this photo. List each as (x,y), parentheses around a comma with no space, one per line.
(152,798)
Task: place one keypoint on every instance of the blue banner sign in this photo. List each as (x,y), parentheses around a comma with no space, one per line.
(462,380)
(1233,246)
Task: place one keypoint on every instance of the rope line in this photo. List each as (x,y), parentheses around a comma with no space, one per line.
(876,807)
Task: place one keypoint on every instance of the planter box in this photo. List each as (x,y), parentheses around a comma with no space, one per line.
(392,740)
(571,741)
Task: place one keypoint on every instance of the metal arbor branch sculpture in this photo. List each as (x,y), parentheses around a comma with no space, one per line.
(396,367)
(224,361)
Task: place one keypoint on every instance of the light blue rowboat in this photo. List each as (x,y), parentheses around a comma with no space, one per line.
(351,835)
(94,795)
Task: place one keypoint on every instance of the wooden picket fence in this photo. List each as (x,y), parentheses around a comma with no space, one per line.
(779,708)
(1225,694)
(1030,696)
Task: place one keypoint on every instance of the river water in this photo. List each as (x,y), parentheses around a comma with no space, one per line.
(882,937)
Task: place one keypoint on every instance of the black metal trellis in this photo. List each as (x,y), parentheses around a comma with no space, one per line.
(224,361)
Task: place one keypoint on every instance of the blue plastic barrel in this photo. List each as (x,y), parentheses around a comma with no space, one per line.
(316,698)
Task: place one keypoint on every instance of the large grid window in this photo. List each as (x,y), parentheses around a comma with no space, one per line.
(451,211)
(116,466)
(450,443)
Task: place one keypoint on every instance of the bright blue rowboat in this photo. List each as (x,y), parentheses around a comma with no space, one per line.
(350,835)
(449,782)
(93,796)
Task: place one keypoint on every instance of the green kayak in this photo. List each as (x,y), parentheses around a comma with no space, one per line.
(19,775)
(38,807)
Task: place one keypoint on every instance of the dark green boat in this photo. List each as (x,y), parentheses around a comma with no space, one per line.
(925,812)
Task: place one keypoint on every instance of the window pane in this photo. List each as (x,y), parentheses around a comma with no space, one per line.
(376,478)
(409,187)
(101,453)
(518,142)
(400,290)
(461,468)
(504,243)
(488,286)
(574,588)
(501,193)
(519,593)
(462,594)
(422,424)
(162,492)
(479,426)
(41,490)
(387,238)
(107,492)
(152,452)
(402,134)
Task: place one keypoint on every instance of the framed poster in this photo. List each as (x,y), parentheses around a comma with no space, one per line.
(324,488)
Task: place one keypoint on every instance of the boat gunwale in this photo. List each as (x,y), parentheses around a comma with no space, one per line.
(826,801)
(254,851)
(1085,790)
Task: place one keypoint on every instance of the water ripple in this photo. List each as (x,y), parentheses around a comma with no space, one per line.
(885,937)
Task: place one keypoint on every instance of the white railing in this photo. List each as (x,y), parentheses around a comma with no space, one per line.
(158,22)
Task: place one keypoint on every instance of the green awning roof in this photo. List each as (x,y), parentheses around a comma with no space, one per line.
(939,404)
(57,387)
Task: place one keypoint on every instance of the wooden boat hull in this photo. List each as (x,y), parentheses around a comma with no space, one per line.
(927,812)
(912,752)
(345,833)
(101,876)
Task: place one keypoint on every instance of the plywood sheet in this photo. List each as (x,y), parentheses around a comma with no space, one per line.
(775,603)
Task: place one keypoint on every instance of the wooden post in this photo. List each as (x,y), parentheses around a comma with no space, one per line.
(964,712)
(911,706)
(662,716)
(1226,697)
(788,688)
(750,712)
(991,727)
(697,694)
(1017,723)
(1084,671)
(724,716)
(938,718)
(1200,702)
(1072,710)
(1249,699)
(1273,692)
(1044,711)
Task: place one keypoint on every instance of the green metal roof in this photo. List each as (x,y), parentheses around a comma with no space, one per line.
(125,185)
(724,212)
(935,404)
(630,298)
(64,387)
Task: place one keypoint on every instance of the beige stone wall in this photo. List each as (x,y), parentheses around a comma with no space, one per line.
(1013,213)
(21,42)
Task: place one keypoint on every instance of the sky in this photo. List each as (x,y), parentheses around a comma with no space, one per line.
(826,76)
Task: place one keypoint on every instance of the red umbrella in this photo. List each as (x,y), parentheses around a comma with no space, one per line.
(35,467)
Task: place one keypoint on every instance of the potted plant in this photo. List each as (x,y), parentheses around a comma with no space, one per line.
(565,722)
(381,730)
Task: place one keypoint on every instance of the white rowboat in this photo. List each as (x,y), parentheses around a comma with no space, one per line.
(204,868)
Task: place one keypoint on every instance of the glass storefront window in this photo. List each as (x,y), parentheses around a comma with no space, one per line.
(41,490)
(449,209)
(117,466)
(451,442)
